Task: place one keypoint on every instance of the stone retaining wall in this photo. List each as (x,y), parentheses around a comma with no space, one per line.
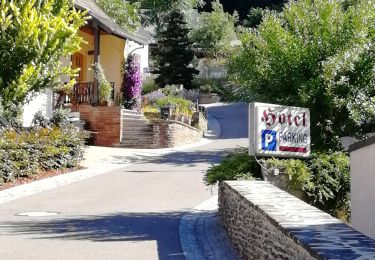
(103,121)
(174,133)
(264,222)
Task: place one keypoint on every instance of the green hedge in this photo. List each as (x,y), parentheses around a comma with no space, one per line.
(324,178)
(24,153)
(236,166)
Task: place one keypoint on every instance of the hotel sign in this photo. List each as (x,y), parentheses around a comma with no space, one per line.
(279,131)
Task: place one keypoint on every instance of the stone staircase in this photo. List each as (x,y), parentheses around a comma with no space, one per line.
(137,132)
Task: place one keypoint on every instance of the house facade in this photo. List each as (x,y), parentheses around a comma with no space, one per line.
(106,43)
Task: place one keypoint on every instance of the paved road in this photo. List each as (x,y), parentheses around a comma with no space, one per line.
(130,213)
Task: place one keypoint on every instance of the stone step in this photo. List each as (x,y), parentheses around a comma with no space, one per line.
(136,143)
(140,130)
(137,125)
(129,112)
(137,129)
(135,146)
(137,135)
(135,119)
(131,116)
(132,121)
(137,138)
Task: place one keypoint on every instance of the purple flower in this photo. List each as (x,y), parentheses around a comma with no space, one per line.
(154,96)
(132,84)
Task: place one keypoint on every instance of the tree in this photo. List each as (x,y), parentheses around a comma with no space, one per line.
(132,84)
(35,34)
(155,11)
(318,54)
(254,17)
(215,30)
(124,13)
(175,53)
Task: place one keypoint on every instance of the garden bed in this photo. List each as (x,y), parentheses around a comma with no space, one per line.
(38,176)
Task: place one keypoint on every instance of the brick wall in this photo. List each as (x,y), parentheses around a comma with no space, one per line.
(173,133)
(264,222)
(103,121)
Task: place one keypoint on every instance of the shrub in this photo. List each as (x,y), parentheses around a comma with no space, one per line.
(151,112)
(234,167)
(105,88)
(298,172)
(324,178)
(172,90)
(180,105)
(153,97)
(330,189)
(40,120)
(59,116)
(24,153)
(149,86)
(132,83)
(191,95)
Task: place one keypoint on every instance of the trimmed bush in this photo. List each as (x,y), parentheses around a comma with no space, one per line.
(180,105)
(25,153)
(324,178)
(237,166)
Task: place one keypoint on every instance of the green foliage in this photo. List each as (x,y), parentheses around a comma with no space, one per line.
(234,167)
(316,54)
(105,88)
(124,13)
(254,17)
(215,31)
(59,116)
(297,170)
(34,35)
(154,12)
(324,178)
(40,120)
(25,153)
(180,106)
(149,86)
(175,53)
(330,183)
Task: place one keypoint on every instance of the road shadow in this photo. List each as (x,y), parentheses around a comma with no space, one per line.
(118,227)
(186,158)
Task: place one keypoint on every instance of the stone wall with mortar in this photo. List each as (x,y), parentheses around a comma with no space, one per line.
(264,222)
(174,133)
(103,121)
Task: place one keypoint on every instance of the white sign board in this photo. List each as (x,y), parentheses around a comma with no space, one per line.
(279,131)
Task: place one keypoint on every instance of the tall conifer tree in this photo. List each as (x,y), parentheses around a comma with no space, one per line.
(175,53)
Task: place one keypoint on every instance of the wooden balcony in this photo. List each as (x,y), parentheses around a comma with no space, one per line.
(83,93)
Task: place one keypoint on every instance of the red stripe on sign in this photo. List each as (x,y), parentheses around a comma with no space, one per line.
(293,149)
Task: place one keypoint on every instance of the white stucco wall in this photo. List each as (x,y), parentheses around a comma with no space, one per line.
(40,102)
(141,50)
(362,168)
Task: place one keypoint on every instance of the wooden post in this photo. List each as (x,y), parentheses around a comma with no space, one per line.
(96,60)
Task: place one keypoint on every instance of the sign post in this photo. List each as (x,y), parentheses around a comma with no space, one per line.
(279,131)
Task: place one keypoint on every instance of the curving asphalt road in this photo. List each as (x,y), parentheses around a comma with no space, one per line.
(130,213)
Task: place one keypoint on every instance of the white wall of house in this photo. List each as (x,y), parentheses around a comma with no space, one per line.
(43,102)
(142,51)
(362,170)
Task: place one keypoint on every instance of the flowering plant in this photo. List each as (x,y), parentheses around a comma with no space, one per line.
(132,83)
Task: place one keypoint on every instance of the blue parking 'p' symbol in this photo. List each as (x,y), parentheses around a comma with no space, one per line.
(268,140)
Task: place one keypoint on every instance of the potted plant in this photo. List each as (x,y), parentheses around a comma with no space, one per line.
(105,88)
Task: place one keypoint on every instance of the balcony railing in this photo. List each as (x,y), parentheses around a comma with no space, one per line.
(83,93)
